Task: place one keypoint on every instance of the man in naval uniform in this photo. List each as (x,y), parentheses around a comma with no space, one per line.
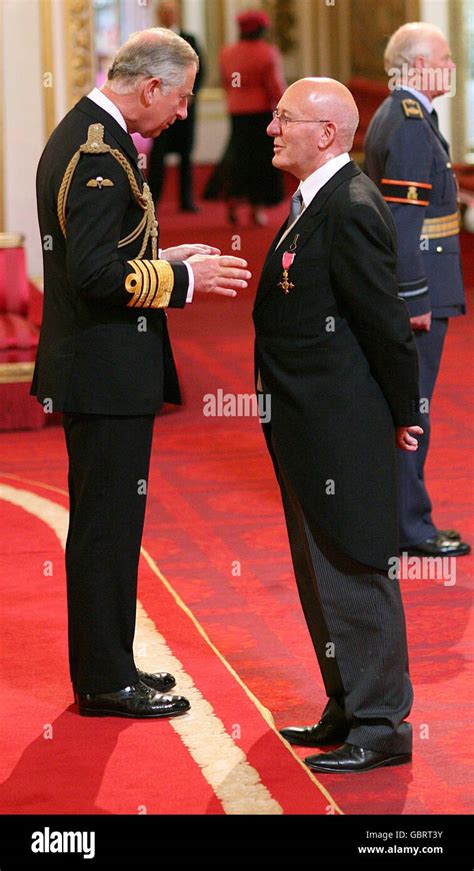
(408,158)
(105,358)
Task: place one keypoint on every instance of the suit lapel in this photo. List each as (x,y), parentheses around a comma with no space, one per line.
(123,139)
(302,230)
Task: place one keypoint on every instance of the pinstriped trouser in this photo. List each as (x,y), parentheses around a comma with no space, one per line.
(355,613)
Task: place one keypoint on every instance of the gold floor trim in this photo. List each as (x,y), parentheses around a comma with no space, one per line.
(189,734)
(266,714)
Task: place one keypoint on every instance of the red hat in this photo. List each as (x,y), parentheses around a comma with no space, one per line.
(253,20)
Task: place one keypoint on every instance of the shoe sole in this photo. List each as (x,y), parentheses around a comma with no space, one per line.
(397,760)
(102,712)
(163,691)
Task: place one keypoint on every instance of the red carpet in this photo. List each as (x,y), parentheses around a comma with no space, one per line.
(215,528)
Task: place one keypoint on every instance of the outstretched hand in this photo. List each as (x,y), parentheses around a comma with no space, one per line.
(219,274)
(184,252)
(404,440)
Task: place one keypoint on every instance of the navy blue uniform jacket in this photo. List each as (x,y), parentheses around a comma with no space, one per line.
(408,159)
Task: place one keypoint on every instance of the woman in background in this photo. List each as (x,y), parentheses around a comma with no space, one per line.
(252,77)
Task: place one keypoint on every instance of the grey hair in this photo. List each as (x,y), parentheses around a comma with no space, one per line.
(153,53)
(408,42)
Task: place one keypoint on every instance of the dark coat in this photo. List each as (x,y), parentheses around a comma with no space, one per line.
(179,138)
(95,355)
(408,158)
(336,394)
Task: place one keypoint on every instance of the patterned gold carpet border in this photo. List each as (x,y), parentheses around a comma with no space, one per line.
(240,790)
(224,765)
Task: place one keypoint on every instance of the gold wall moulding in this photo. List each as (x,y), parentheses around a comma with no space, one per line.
(47,56)
(79,48)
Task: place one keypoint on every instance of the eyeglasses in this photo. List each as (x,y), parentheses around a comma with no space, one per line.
(283,120)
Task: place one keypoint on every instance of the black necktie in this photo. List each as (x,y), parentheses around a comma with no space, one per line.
(295,208)
(434,118)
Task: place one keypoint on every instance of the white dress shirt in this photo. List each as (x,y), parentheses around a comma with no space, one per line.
(107,105)
(313,184)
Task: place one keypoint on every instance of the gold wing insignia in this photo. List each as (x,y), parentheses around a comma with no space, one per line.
(100,183)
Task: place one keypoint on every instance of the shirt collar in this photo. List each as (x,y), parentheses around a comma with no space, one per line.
(107,105)
(421,97)
(313,184)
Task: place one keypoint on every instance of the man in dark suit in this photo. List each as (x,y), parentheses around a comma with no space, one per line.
(407,157)
(335,351)
(104,355)
(180,138)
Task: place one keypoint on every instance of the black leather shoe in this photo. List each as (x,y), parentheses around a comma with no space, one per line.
(439,545)
(190,207)
(161,682)
(320,735)
(137,700)
(348,759)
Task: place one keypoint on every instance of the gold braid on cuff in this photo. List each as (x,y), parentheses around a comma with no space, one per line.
(151,283)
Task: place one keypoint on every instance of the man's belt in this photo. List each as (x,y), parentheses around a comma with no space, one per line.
(438,228)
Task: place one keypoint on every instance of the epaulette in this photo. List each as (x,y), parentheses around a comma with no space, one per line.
(95,145)
(412,108)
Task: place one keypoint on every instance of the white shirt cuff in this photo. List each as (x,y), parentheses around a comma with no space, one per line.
(190,294)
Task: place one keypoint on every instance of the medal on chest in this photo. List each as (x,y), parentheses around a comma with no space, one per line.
(286,261)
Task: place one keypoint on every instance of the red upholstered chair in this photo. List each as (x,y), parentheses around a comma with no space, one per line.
(20,315)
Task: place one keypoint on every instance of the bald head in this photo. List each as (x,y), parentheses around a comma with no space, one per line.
(328,98)
(331,117)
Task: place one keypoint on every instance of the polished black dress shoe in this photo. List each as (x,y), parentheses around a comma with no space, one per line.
(161,682)
(320,735)
(348,759)
(190,207)
(439,545)
(137,700)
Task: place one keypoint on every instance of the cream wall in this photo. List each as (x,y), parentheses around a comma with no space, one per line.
(23,135)
(436,12)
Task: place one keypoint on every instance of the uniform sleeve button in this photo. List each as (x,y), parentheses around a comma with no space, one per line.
(439,249)
(449,165)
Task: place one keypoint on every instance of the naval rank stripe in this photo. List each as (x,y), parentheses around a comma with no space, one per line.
(151,283)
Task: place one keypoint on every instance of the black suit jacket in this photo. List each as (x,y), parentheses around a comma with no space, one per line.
(96,353)
(338,357)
